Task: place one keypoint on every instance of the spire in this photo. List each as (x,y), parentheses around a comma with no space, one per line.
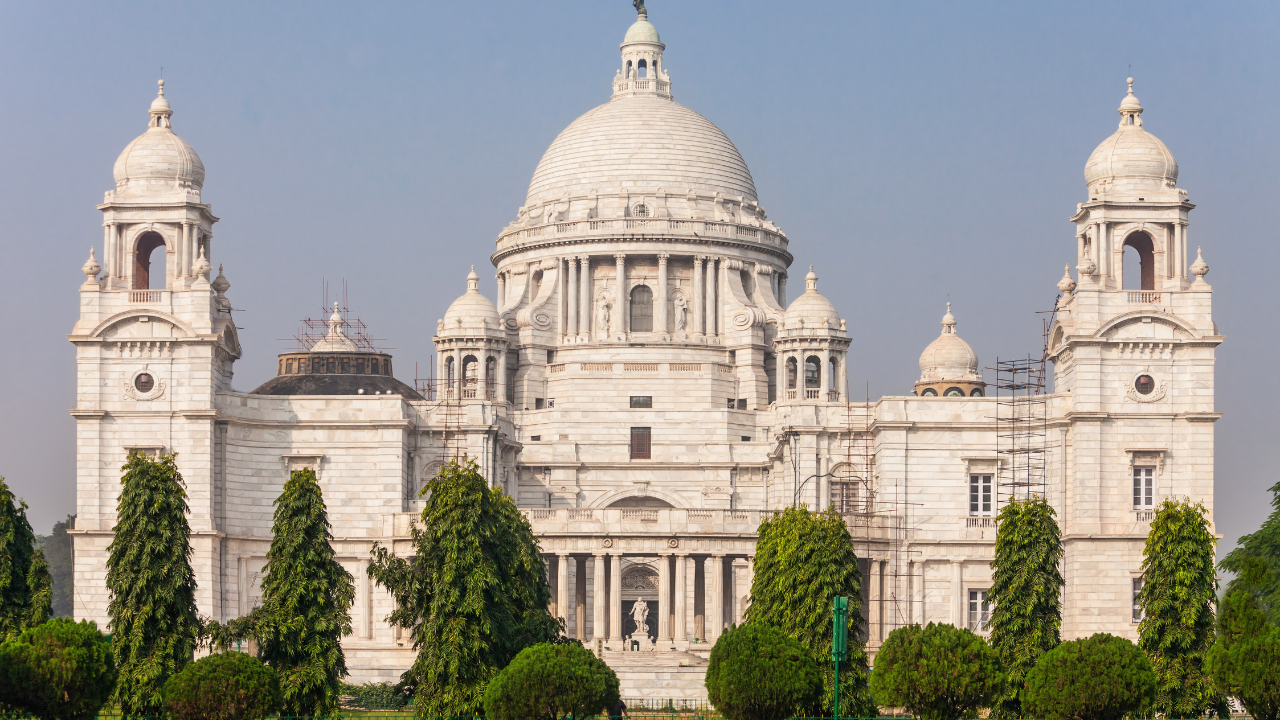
(811,281)
(948,322)
(160,111)
(1130,109)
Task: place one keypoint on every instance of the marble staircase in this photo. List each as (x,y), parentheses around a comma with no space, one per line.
(659,675)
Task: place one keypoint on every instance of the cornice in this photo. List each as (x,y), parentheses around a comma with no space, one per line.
(780,253)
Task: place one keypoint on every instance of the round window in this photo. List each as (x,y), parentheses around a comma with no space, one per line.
(144,383)
(1144,384)
(954,392)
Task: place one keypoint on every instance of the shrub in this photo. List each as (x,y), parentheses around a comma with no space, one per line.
(1103,677)
(937,672)
(546,681)
(226,686)
(757,672)
(61,669)
(376,696)
(1245,659)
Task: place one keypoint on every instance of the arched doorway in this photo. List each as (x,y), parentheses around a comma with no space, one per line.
(640,584)
(142,265)
(1143,276)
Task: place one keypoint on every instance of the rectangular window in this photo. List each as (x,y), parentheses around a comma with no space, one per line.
(641,401)
(979,611)
(537,403)
(1137,606)
(535,438)
(641,445)
(980,495)
(742,403)
(1143,488)
(360,366)
(288,367)
(731,403)
(346,365)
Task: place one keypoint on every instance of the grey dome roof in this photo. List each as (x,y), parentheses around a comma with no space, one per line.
(336,384)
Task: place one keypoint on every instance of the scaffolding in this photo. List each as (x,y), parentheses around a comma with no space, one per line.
(313,330)
(445,404)
(1022,429)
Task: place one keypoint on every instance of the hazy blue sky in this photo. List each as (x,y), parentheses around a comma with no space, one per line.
(913,152)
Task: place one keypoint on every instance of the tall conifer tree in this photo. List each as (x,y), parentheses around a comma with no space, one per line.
(17,555)
(1026,591)
(306,599)
(474,595)
(153,608)
(803,561)
(1177,597)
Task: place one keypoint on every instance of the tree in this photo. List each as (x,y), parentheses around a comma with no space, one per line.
(17,555)
(1026,588)
(57,550)
(548,681)
(1177,598)
(223,686)
(1261,546)
(306,596)
(1103,677)
(153,608)
(937,672)
(1245,659)
(40,587)
(61,669)
(474,595)
(758,672)
(803,561)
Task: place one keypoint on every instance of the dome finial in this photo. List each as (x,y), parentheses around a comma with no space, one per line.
(473,280)
(160,111)
(1130,109)
(948,321)
(811,281)
(640,11)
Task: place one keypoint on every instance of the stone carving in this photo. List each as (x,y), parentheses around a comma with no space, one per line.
(604,311)
(593,202)
(682,308)
(640,613)
(640,577)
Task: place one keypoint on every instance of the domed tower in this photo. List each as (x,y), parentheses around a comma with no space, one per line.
(811,347)
(472,347)
(948,366)
(1133,367)
(152,349)
(641,237)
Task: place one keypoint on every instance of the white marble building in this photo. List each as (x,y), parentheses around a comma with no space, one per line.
(644,389)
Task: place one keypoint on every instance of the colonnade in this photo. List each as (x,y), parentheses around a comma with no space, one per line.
(831,386)
(1107,250)
(119,253)
(456,357)
(676,614)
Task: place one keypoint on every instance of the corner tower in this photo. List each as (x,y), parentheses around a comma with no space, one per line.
(1133,368)
(152,350)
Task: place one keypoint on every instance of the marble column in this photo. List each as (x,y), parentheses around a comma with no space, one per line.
(620,303)
(664,598)
(580,599)
(713,576)
(584,304)
(782,289)
(842,359)
(482,373)
(873,599)
(562,588)
(615,599)
(957,592)
(699,315)
(562,309)
(179,252)
(1104,252)
(457,372)
(660,301)
(502,289)
(572,299)
(710,303)
(500,382)
(598,604)
(682,626)
(826,383)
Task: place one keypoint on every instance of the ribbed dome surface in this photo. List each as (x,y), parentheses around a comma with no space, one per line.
(641,141)
(471,308)
(1132,158)
(159,154)
(948,357)
(812,309)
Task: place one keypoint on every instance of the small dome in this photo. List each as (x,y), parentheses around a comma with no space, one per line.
(1132,160)
(336,340)
(642,31)
(948,357)
(471,309)
(158,161)
(811,309)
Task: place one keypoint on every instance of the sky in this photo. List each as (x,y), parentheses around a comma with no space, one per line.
(914,153)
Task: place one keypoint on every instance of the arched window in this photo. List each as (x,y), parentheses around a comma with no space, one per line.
(928,392)
(142,257)
(628,68)
(953,392)
(1139,265)
(469,369)
(449,372)
(641,309)
(791,373)
(644,68)
(812,373)
(976,392)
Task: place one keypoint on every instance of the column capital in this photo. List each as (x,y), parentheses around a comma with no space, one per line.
(620,256)
(584,258)
(699,258)
(662,257)
(563,554)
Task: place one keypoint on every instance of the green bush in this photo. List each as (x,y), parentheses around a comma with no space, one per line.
(61,669)
(937,672)
(226,686)
(546,681)
(1245,659)
(757,672)
(1103,677)
(376,696)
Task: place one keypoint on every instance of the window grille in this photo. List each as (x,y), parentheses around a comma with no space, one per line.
(979,611)
(1143,488)
(980,495)
(641,444)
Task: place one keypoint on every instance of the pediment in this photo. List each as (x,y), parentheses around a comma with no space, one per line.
(142,327)
(1141,325)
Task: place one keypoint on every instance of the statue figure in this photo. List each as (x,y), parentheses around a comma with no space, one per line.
(682,307)
(602,315)
(639,613)
(639,6)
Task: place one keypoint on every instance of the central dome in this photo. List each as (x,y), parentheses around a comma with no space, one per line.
(641,141)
